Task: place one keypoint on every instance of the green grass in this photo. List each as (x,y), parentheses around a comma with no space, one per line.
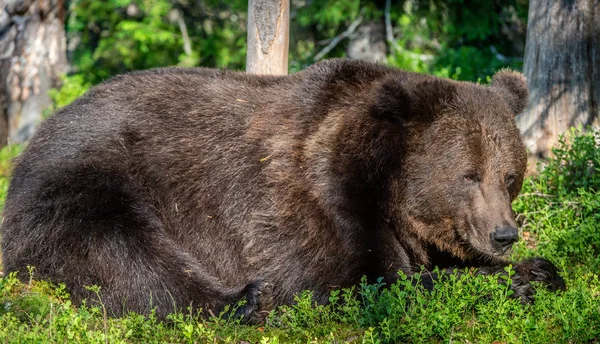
(559,211)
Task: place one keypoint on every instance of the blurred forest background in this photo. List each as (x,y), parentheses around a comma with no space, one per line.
(52,51)
(460,39)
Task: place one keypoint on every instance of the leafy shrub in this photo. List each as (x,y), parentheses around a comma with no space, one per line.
(560,208)
(575,163)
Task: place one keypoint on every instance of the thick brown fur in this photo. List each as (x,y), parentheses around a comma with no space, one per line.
(177,187)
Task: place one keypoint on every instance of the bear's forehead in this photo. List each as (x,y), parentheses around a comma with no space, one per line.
(479,99)
(476,135)
(476,126)
(493,127)
(480,112)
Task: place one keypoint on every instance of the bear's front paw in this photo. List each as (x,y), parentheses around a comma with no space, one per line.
(535,270)
(259,302)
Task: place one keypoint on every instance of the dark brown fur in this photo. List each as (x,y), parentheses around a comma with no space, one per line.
(173,187)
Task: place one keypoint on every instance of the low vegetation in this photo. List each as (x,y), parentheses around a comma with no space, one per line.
(559,211)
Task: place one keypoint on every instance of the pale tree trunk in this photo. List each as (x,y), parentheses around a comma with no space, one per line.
(268,37)
(32,57)
(367,43)
(562,65)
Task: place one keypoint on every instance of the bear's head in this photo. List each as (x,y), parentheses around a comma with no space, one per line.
(463,160)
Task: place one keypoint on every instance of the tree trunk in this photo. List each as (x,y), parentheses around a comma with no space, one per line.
(562,65)
(32,57)
(268,37)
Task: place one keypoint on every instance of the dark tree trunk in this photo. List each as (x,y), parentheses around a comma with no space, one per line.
(562,65)
(268,37)
(32,57)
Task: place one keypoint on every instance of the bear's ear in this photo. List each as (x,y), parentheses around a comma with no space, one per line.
(512,86)
(418,98)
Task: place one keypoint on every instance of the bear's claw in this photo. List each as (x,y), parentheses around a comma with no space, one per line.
(259,302)
(535,270)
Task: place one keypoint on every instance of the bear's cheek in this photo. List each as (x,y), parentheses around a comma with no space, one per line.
(488,214)
(463,211)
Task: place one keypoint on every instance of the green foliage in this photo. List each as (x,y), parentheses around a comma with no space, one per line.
(560,208)
(117,36)
(113,42)
(470,63)
(464,308)
(559,211)
(432,36)
(574,166)
(475,308)
(7,154)
(73,87)
(316,23)
(459,39)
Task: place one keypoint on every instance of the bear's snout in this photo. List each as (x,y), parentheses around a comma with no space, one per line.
(503,238)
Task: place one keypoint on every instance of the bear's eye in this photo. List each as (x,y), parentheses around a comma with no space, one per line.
(472,178)
(510,179)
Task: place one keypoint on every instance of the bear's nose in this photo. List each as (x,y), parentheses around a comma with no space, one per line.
(503,238)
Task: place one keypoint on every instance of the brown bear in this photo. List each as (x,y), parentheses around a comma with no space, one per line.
(176,187)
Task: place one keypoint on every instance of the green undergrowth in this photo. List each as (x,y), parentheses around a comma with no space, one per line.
(7,154)
(559,209)
(559,215)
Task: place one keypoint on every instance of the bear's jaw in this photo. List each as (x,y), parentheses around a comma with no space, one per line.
(448,242)
(446,260)
(469,245)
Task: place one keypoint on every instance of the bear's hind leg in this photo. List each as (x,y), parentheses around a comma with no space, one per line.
(94,227)
(159,275)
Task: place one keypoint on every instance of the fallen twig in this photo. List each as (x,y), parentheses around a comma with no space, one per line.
(536,194)
(389,33)
(339,38)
